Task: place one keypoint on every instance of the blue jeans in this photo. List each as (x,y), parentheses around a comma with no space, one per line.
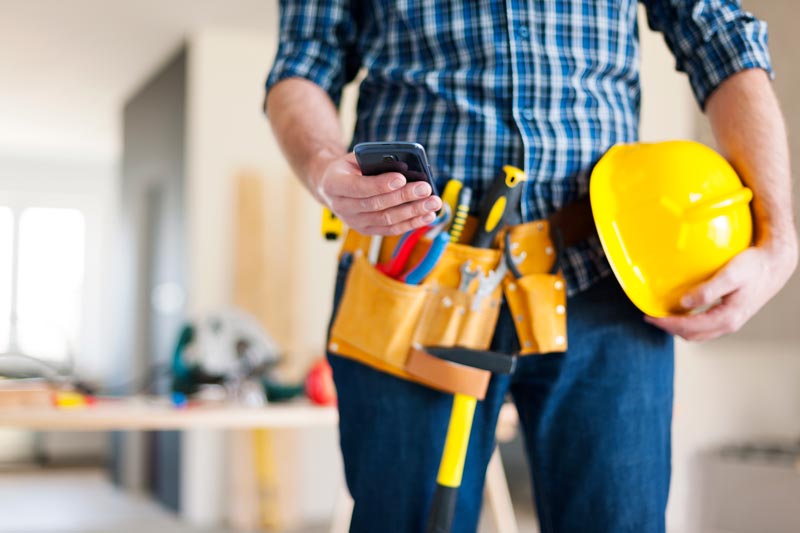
(596,424)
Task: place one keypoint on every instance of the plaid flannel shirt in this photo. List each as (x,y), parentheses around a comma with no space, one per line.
(546,85)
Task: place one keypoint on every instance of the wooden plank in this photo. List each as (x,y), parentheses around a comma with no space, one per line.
(250,289)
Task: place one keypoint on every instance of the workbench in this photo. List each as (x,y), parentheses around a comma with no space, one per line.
(217,444)
(148,414)
(143,414)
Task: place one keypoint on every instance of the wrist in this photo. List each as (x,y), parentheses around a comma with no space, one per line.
(782,246)
(315,172)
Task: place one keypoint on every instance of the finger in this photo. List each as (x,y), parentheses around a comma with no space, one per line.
(402,227)
(722,319)
(352,185)
(401,213)
(727,280)
(381,202)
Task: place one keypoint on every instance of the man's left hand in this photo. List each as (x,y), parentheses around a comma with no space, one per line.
(736,292)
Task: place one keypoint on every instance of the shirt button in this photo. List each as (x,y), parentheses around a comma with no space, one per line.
(527,114)
(523,32)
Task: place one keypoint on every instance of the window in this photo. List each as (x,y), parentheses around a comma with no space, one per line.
(41,282)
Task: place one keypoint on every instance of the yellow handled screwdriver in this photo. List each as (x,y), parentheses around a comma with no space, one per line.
(494,207)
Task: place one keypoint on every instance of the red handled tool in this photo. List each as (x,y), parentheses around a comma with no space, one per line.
(402,252)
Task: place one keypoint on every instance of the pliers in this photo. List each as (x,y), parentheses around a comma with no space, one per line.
(402,252)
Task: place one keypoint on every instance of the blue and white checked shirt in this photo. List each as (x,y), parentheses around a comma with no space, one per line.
(546,85)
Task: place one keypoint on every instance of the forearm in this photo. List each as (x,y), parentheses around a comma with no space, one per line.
(306,123)
(750,131)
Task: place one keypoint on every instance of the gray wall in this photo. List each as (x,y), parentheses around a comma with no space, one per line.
(153,251)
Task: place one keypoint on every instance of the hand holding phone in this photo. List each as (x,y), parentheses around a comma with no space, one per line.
(388,203)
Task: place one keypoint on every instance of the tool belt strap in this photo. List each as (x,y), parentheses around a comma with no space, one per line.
(574,221)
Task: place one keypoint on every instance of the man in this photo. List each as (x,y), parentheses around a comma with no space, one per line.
(548,86)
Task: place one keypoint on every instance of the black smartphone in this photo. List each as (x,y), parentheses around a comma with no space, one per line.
(407,158)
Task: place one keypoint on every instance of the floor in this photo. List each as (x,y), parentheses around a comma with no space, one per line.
(83,501)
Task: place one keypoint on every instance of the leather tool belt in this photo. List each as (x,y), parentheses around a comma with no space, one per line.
(386,324)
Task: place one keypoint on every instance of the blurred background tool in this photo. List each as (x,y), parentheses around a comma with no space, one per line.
(499,205)
(331,225)
(319,385)
(230,349)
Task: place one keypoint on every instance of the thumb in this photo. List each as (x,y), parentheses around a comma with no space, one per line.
(725,281)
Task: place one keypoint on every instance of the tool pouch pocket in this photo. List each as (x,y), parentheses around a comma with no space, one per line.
(376,316)
(451,317)
(386,323)
(538,305)
(537,300)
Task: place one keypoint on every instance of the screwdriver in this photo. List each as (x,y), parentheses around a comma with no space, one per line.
(460,214)
(497,205)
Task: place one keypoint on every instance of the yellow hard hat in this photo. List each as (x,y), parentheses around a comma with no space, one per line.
(669,215)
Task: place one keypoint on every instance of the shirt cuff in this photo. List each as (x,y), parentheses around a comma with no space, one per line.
(310,61)
(739,46)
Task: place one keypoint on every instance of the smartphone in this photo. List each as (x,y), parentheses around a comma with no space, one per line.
(407,158)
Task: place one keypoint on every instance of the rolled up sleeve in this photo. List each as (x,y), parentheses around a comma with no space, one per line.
(316,42)
(710,39)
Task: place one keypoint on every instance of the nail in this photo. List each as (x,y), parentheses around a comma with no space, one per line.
(397,183)
(422,190)
(429,218)
(431,205)
(687,302)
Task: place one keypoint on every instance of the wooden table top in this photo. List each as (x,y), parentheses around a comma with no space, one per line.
(156,414)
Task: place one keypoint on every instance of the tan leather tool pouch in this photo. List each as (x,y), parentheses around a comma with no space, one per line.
(385,323)
(537,300)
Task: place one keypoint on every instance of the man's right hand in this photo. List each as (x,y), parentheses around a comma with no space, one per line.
(374,205)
